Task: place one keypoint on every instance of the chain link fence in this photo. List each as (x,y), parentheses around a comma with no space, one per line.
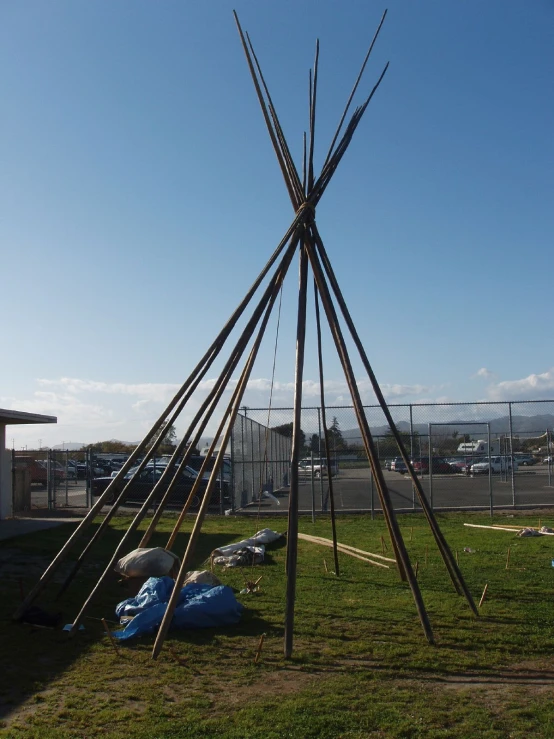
(260,461)
(48,479)
(467,455)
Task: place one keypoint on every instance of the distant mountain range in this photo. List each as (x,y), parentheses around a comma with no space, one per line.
(521,425)
(75,446)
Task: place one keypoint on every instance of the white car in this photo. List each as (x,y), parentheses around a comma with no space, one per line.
(497,465)
(319,467)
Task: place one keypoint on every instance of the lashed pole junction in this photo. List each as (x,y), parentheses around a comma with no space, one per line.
(303,237)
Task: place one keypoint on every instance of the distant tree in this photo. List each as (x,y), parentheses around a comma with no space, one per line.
(315,443)
(165,440)
(334,434)
(109,447)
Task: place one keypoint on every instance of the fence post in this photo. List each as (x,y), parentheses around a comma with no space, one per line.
(88,477)
(13,482)
(430,470)
(49,482)
(412,451)
(252,484)
(512,454)
(313,483)
(549,456)
(323,506)
(232,480)
(243,497)
(490,468)
(372,489)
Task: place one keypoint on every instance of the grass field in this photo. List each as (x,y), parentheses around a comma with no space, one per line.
(361,666)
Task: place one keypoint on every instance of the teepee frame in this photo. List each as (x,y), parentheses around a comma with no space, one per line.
(303,237)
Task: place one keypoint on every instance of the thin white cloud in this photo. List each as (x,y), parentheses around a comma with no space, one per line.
(532,387)
(91,410)
(150,390)
(483,372)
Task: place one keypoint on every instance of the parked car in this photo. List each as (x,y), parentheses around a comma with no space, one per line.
(439,465)
(319,467)
(142,484)
(497,465)
(525,459)
(398,465)
(39,470)
(457,464)
(197,461)
(547,460)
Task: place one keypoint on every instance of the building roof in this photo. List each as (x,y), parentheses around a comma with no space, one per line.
(9,417)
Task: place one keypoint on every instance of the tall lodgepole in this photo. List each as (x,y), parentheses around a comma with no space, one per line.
(396,535)
(230,414)
(247,333)
(292,530)
(215,392)
(215,347)
(446,553)
(326,432)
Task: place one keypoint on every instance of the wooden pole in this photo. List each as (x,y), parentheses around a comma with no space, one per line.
(326,432)
(401,554)
(452,567)
(247,369)
(272,133)
(210,354)
(484,594)
(231,414)
(147,503)
(329,542)
(337,132)
(110,637)
(259,650)
(292,532)
(219,388)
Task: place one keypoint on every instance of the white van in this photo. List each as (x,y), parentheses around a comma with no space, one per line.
(473,447)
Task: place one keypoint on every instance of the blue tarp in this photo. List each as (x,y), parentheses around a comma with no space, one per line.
(198,607)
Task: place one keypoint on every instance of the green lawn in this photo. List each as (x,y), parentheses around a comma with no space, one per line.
(361,666)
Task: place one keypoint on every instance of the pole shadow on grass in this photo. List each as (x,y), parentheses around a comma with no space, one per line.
(35,657)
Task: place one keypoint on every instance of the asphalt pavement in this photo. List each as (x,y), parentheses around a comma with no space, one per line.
(353,490)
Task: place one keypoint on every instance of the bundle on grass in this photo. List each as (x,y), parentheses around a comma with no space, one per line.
(201,577)
(245,552)
(143,562)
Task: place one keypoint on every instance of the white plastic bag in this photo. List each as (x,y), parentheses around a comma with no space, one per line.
(142,562)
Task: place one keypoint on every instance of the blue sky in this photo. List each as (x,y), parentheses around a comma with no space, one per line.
(141,197)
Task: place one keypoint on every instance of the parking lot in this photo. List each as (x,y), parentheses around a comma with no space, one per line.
(353,491)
